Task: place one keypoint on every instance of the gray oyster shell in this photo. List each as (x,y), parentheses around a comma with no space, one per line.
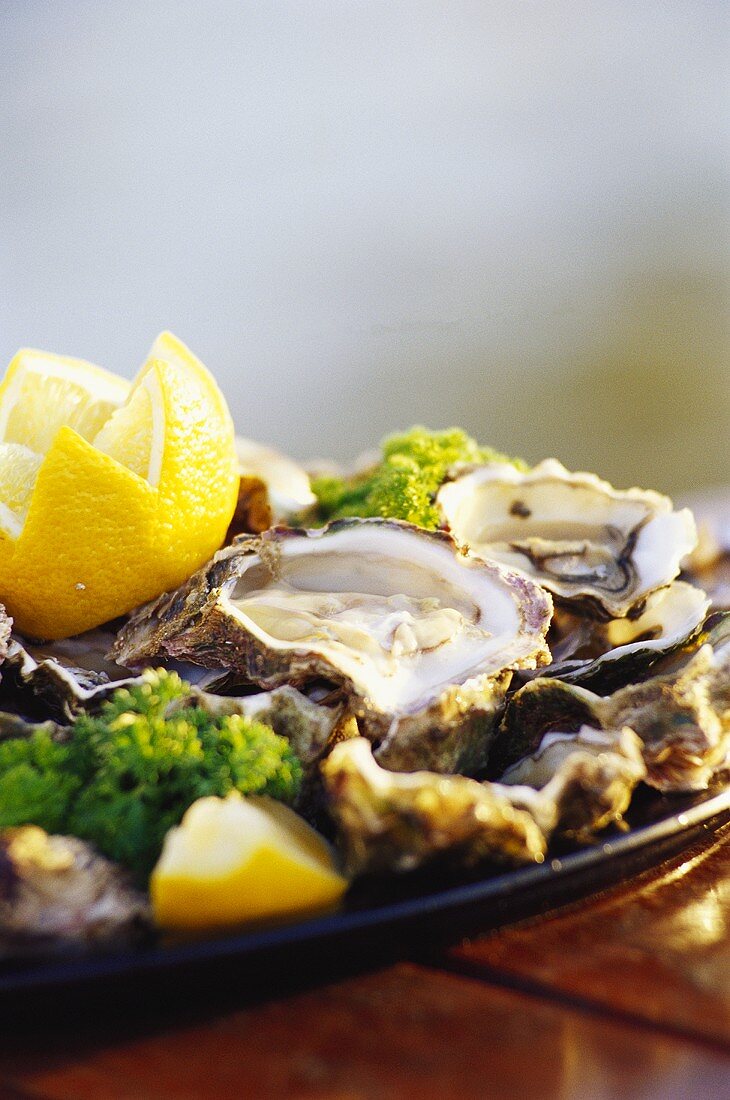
(283,609)
(308,726)
(58,895)
(391,821)
(595,546)
(681,716)
(605,655)
(576,784)
(52,685)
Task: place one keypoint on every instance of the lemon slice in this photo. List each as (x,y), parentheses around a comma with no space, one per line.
(233,860)
(18,470)
(41,392)
(129,436)
(110,492)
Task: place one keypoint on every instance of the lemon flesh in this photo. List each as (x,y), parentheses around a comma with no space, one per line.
(234,860)
(41,392)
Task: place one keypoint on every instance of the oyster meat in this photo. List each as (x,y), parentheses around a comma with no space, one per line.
(420,636)
(588,543)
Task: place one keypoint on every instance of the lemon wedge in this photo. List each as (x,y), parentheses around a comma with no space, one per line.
(111,492)
(233,860)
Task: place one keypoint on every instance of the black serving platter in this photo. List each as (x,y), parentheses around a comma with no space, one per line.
(381,920)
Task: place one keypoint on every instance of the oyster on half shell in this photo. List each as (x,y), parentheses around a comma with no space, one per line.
(682,718)
(420,636)
(576,784)
(605,655)
(588,543)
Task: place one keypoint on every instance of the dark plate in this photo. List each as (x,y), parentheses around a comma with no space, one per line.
(381,920)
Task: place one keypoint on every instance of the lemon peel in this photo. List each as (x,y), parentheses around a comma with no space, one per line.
(114,493)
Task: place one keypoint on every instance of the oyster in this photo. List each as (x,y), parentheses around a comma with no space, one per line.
(308,726)
(605,655)
(391,821)
(681,718)
(57,894)
(273,488)
(584,781)
(420,636)
(585,541)
(46,685)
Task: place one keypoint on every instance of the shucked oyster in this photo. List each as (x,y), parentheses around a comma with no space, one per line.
(682,718)
(393,822)
(571,532)
(578,783)
(420,636)
(604,655)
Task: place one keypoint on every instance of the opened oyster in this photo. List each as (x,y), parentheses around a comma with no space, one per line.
(576,784)
(604,655)
(37,683)
(582,539)
(420,636)
(58,894)
(389,821)
(682,718)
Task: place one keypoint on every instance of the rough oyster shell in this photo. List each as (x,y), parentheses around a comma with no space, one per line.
(681,717)
(420,636)
(57,894)
(605,655)
(584,781)
(308,726)
(391,821)
(582,539)
(46,685)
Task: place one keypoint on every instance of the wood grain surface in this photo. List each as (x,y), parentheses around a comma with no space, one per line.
(626,995)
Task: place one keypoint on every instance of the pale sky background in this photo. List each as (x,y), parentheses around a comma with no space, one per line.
(509,216)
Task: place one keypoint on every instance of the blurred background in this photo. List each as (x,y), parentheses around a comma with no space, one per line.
(507,216)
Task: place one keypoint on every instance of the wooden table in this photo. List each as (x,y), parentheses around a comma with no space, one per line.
(625,995)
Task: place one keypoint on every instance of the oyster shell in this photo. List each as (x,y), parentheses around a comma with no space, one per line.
(308,726)
(420,636)
(57,894)
(45,685)
(585,541)
(605,655)
(576,784)
(391,821)
(273,488)
(681,718)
